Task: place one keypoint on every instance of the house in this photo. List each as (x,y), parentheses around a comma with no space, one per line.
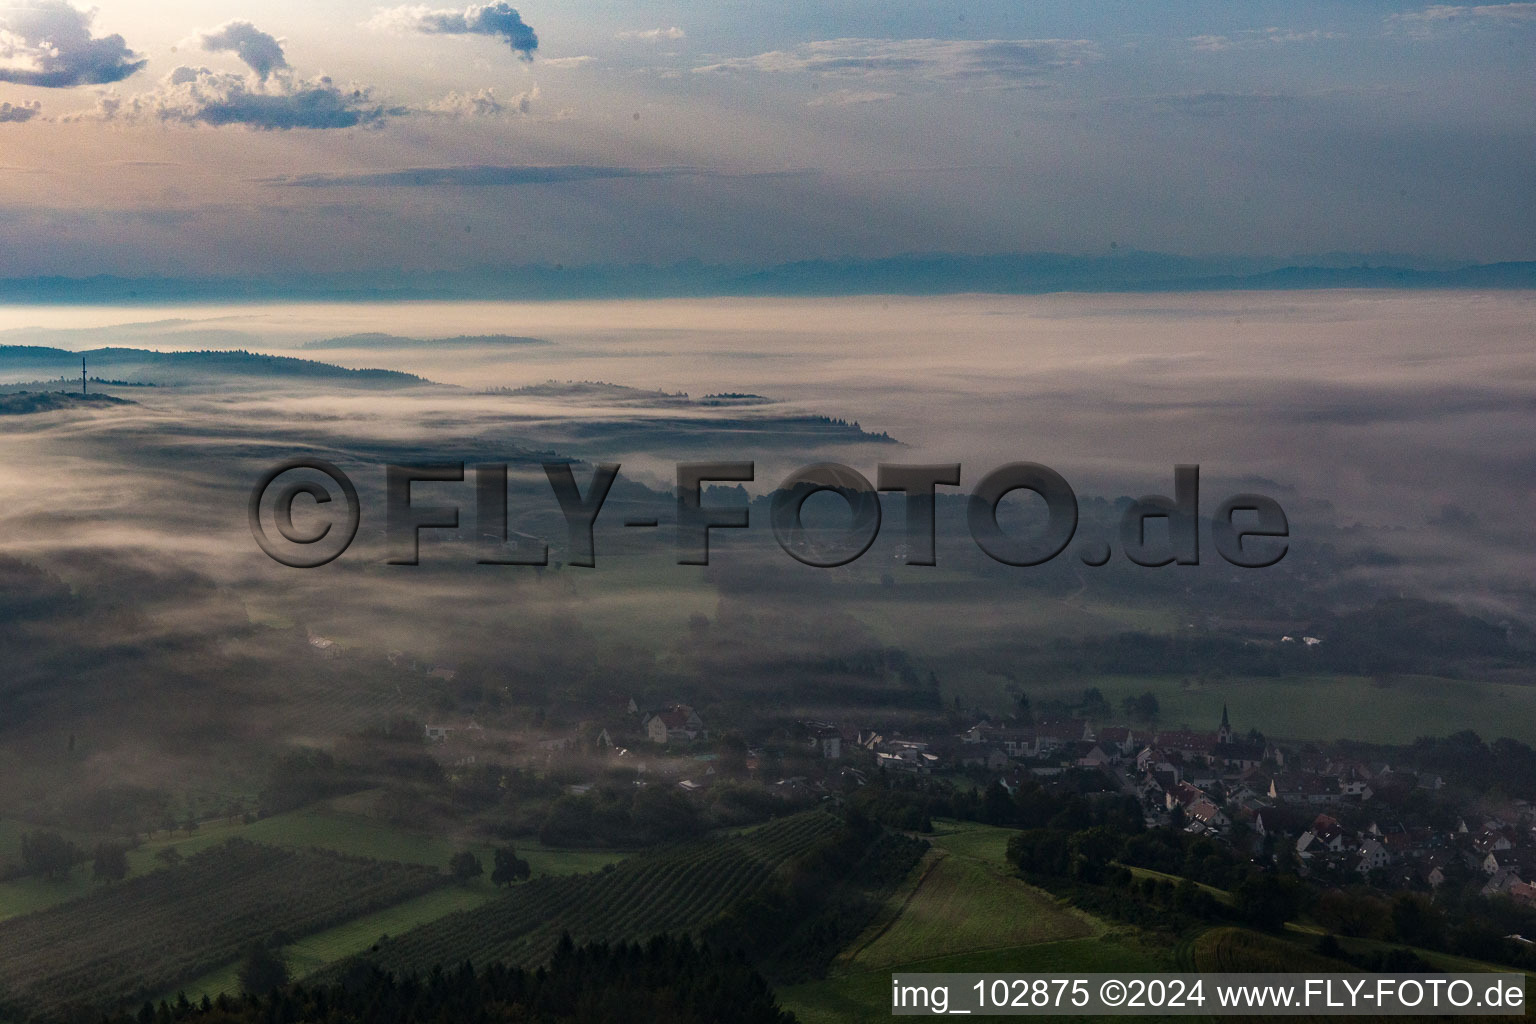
(678,724)
(1190,745)
(1238,755)
(1304,787)
(1354,786)
(1014,742)
(1325,836)
(1373,855)
(1501,882)
(1116,740)
(1156,785)
(1044,737)
(1182,795)
(1094,758)
(438,732)
(826,739)
(1492,841)
(1492,864)
(895,762)
(1207,814)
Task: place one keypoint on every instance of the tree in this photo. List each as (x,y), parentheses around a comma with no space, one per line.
(263,971)
(1416,921)
(49,854)
(733,755)
(997,806)
(1040,851)
(663,814)
(111,863)
(465,867)
(1094,705)
(1023,712)
(170,856)
(1268,900)
(1091,850)
(509,867)
(1143,708)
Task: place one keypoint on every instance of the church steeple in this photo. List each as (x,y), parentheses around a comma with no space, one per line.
(1224,734)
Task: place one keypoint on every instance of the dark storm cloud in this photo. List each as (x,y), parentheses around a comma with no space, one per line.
(49,44)
(499,20)
(260,51)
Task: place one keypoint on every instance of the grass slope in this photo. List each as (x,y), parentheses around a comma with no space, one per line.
(963,911)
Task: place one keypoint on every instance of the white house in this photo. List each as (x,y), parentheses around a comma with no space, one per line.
(678,724)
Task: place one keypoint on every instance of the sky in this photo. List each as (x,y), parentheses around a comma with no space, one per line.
(231,138)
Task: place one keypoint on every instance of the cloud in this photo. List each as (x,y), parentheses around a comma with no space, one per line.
(850,97)
(482,176)
(479,104)
(566,62)
(199,96)
(653,35)
(1259,37)
(261,52)
(48,43)
(1436,15)
(1219,104)
(17,113)
(933,59)
(1488,12)
(498,19)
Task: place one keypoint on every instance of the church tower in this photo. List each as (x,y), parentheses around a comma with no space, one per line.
(1224,734)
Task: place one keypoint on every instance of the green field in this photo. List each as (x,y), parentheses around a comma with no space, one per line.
(1327,707)
(961,910)
(866,997)
(962,905)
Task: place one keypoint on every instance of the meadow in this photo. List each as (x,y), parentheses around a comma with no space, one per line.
(962,910)
(1326,707)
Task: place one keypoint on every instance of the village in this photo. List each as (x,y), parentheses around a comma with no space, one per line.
(1316,811)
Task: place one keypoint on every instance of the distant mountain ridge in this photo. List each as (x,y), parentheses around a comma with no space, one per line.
(23,403)
(379,340)
(908,274)
(188,367)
